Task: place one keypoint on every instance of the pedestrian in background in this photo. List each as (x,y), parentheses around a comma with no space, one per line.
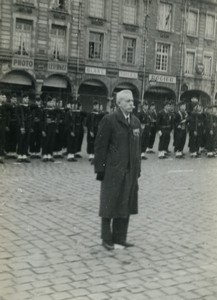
(117,165)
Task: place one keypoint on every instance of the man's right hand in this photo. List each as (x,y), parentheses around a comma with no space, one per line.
(100,176)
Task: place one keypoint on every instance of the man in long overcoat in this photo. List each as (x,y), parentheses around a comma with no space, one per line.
(117,164)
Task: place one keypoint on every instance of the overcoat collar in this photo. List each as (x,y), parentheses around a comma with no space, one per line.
(121,118)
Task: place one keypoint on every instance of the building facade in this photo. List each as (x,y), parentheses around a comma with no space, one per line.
(86,50)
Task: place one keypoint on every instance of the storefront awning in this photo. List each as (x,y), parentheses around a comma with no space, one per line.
(56,82)
(17,78)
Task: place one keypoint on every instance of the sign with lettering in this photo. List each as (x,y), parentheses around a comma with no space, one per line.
(95,71)
(125,74)
(55,66)
(22,63)
(162,78)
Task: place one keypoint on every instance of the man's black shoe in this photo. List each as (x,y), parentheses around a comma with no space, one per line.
(126,244)
(108,245)
(78,156)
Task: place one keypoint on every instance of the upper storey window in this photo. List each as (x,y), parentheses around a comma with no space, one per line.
(193,19)
(165,16)
(130,12)
(59,5)
(23,37)
(96,45)
(96,8)
(162,57)
(210,27)
(58,43)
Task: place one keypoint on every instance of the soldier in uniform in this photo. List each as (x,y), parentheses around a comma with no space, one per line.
(196,128)
(164,129)
(59,137)
(11,132)
(49,127)
(211,128)
(79,128)
(153,127)
(3,118)
(92,129)
(144,118)
(70,126)
(180,130)
(24,119)
(35,136)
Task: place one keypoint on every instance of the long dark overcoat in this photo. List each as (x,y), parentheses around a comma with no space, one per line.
(117,154)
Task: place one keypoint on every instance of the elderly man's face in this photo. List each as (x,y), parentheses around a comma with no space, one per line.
(126,104)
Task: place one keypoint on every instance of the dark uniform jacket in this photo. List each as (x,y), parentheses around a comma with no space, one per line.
(164,121)
(24,116)
(117,154)
(3,115)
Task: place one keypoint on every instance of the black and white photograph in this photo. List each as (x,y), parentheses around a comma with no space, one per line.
(108,149)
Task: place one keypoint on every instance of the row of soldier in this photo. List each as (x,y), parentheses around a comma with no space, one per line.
(48,130)
(199,123)
(45,130)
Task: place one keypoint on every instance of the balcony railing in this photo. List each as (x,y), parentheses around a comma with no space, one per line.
(25,2)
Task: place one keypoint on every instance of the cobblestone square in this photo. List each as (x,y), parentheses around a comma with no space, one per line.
(50,248)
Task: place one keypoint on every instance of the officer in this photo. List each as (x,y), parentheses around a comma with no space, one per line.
(145,120)
(180,130)
(92,129)
(49,127)
(35,136)
(164,129)
(2,126)
(11,132)
(153,128)
(24,124)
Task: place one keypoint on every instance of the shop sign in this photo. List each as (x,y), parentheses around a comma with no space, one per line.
(95,71)
(23,63)
(59,67)
(126,74)
(162,78)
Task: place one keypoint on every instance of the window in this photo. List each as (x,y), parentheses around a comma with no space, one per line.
(59,4)
(162,57)
(97,8)
(165,16)
(58,42)
(96,45)
(210,27)
(192,28)
(23,37)
(190,62)
(207,61)
(129,50)
(130,12)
